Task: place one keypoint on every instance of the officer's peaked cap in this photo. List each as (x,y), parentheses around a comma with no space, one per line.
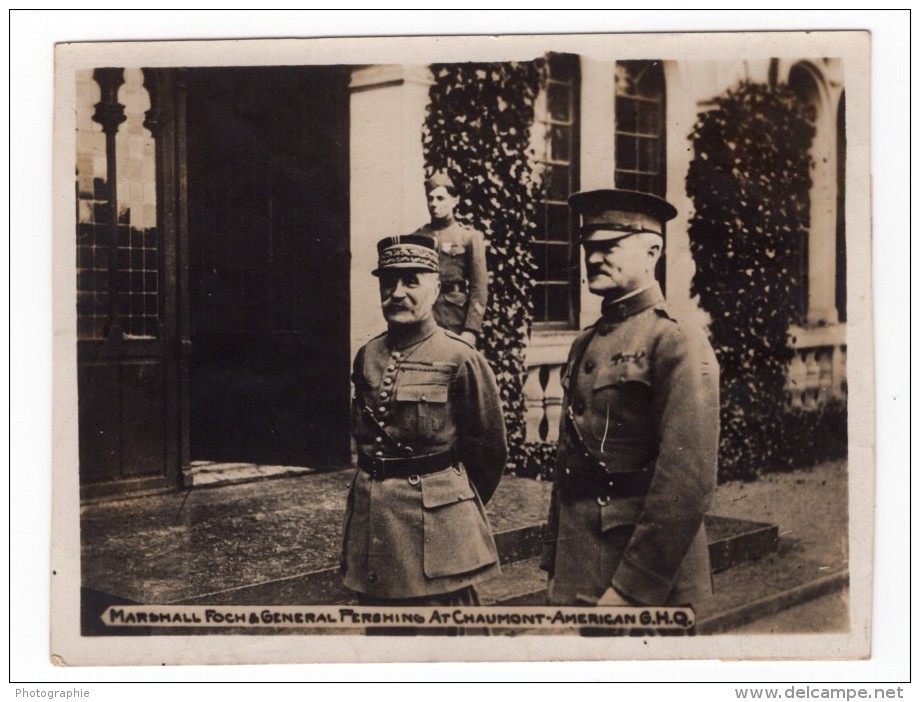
(440,179)
(412,251)
(613,214)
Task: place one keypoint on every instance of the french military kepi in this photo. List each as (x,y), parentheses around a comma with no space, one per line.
(614,214)
(412,251)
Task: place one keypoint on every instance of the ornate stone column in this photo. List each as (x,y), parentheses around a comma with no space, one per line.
(109,113)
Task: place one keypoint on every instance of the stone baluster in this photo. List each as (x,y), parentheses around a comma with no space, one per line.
(533,401)
(553,402)
(812,375)
(825,373)
(795,381)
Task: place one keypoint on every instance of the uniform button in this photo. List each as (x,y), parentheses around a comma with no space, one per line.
(460,497)
(589,366)
(378,439)
(384,395)
(391,368)
(382,410)
(397,355)
(373,578)
(424,397)
(387,381)
(378,453)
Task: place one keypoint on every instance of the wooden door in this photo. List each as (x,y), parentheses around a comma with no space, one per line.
(268,269)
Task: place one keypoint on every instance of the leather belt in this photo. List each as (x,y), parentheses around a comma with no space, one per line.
(603,487)
(382,467)
(450,286)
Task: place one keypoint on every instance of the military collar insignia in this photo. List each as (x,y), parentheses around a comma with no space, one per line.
(618,310)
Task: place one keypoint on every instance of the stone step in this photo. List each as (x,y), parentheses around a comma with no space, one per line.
(743,594)
(212,474)
(732,541)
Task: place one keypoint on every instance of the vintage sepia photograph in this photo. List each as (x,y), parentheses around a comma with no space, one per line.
(463,348)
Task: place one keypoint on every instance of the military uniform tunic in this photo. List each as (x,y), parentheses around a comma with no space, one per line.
(464,277)
(630,494)
(429,534)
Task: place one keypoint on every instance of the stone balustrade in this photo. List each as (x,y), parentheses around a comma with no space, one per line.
(817,373)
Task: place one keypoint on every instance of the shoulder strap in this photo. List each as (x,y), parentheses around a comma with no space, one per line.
(357,375)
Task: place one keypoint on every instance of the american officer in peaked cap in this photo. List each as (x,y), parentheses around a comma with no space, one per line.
(636,464)
(430,437)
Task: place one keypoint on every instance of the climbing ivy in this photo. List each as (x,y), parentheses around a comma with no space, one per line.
(478,128)
(749,181)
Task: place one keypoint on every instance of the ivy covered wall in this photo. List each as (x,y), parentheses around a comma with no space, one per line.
(750,181)
(478,129)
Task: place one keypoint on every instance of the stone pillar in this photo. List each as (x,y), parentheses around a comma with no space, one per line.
(596,152)
(822,236)
(681,109)
(387,112)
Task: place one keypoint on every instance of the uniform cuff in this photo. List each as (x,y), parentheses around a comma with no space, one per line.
(638,584)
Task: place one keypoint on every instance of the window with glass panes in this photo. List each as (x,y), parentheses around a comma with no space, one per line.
(639,129)
(554,246)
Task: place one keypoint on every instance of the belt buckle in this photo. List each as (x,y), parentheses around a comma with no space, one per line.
(378,467)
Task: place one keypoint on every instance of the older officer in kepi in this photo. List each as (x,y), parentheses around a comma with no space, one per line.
(431,448)
(636,466)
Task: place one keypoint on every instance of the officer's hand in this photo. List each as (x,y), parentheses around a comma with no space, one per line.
(469,337)
(612,598)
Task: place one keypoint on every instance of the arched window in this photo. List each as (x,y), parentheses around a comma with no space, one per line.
(841,279)
(803,84)
(639,128)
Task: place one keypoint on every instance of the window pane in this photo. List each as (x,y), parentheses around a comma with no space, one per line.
(626,115)
(560,148)
(558,222)
(649,79)
(648,155)
(626,152)
(627,181)
(558,102)
(649,118)
(557,183)
(539,303)
(557,262)
(557,303)
(538,251)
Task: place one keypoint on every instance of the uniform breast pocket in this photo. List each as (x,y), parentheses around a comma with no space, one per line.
(624,375)
(426,405)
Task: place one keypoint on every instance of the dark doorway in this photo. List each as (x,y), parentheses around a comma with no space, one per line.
(268,264)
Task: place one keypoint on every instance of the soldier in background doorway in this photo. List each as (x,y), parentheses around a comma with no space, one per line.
(462,261)
(636,465)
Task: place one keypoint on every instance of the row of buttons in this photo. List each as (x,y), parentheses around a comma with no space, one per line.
(384,397)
